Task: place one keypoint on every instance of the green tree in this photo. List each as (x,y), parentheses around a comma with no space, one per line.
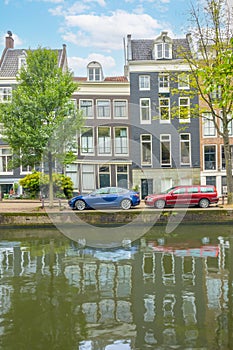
(211,65)
(41,122)
(37,182)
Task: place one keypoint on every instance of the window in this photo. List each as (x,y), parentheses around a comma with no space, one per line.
(121,141)
(208,125)
(211,180)
(86,107)
(185,156)
(94,71)
(104,140)
(210,157)
(230,124)
(87,141)
(103,108)
(164,109)
(5,94)
(26,169)
(88,177)
(165,150)
(223,156)
(145,111)
(122,175)
(163,83)
(184,109)
(120,109)
(183,81)
(146,149)
(104,176)
(216,94)
(163,51)
(144,82)
(22,62)
(5,160)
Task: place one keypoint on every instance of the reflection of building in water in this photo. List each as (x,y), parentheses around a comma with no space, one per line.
(149,296)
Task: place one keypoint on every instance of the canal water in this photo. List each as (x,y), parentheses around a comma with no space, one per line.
(163,291)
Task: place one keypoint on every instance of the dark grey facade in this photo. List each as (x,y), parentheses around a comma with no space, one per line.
(165,147)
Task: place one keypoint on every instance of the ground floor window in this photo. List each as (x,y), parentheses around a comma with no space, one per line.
(122,176)
(104,175)
(88,177)
(211,180)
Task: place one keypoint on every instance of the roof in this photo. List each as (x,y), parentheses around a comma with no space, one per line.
(10,63)
(142,49)
(119,79)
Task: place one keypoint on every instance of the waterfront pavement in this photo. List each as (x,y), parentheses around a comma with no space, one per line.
(30,206)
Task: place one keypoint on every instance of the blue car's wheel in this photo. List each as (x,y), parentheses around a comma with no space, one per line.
(126,204)
(80,205)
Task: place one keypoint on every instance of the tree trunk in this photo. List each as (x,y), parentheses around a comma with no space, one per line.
(228,159)
(50,164)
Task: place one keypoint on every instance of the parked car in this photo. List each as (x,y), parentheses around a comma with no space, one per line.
(106,197)
(199,195)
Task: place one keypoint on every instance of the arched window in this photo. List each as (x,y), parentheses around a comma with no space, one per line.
(163,47)
(94,71)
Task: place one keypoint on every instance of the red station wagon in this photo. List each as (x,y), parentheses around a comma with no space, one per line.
(199,195)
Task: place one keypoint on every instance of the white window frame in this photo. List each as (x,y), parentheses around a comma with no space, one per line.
(184,120)
(7,172)
(183,81)
(87,108)
(144,82)
(122,108)
(163,50)
(122,140)
(188,162)
(82,152)
(119,172)
(147,110)
(208,124)
(106,105)
(162,139)
(5,94)
(149,141)
(216,165)
(22,62)
(164,107)
(94,74)
(164,82)
(105,146)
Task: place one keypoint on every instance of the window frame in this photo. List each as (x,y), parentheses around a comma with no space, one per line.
(169,163)
(168,120)
(5,97)
(183,86)
(5,163)
(87,137)
(147,110)
(86,115)
(149,141)
(103,107)
(105,146)
(126,138)
(120,107)
(204,161)
(142,81)
(162,82)
(188,163)
(187,106)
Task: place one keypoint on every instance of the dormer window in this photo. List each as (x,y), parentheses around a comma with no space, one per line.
(22,62)
(94,71)
(163,47)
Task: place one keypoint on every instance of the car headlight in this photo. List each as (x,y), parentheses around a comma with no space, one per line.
(149,199)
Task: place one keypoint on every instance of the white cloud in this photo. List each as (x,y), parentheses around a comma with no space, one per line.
(78,64)
(99,2)
(107,32)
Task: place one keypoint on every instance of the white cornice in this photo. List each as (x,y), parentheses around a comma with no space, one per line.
(158,66)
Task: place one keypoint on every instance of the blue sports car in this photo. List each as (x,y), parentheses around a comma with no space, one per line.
(106,197)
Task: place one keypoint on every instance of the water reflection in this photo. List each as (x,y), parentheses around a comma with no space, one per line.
(163,292)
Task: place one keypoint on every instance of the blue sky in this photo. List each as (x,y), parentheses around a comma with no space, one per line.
(91,29)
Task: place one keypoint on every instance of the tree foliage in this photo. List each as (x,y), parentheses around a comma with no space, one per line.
(37,183)
(41,122)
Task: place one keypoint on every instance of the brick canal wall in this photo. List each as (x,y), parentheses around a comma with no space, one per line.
(122,217)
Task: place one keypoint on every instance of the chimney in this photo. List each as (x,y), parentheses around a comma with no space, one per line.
(9,40)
